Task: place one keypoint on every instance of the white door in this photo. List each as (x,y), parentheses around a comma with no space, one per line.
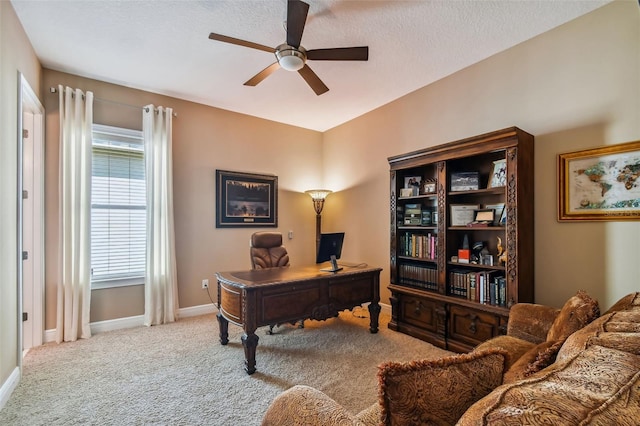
(32,196)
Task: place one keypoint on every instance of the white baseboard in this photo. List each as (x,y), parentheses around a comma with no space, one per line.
(9,386)
(138,320)
(135,321)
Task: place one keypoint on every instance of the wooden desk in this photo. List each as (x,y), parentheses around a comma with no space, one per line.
(261,297)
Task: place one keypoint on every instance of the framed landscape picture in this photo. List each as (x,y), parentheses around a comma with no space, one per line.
(246,200)
(600,184)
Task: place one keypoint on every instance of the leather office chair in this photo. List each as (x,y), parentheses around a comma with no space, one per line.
(267,250)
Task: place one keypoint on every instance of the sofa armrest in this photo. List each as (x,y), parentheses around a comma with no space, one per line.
(531,321)
(304,405)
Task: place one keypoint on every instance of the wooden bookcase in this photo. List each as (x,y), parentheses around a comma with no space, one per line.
(430,295)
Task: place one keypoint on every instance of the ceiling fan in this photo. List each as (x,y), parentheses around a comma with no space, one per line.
(293,57)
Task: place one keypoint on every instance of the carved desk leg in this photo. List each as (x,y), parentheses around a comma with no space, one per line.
(250,342)
(374,314)
(224,329)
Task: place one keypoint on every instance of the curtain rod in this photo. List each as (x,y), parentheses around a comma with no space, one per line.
(55,90)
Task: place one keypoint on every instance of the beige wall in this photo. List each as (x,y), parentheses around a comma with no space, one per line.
(575,87)
(204,139)
(16,55)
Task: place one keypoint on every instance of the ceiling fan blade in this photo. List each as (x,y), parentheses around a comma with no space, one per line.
(237,41)
(296,18)
(253,81)
(313,80)
(339,54)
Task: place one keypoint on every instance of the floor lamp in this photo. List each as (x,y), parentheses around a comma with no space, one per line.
(318,196)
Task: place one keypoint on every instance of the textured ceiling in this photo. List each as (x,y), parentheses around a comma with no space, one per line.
(163,47)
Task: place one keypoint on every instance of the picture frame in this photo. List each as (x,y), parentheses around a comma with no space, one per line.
(498,177)
(246,199)
(413,182)
(499,209)
(600,184)
(428,186)
(503,217)
(462,214)
(464,181)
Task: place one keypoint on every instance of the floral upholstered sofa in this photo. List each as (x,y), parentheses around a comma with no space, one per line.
(569,366)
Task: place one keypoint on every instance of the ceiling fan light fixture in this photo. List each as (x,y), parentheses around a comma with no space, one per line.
(290,58)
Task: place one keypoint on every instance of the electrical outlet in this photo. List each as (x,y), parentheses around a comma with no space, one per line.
(205,283)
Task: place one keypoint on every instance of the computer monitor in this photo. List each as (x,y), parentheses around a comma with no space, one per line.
(330,245)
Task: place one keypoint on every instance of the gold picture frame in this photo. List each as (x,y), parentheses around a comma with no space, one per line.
(600,184)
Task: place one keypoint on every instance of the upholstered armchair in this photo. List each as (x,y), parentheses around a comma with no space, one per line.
(267,250)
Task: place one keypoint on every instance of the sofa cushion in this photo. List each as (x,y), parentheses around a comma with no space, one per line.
(513,346)
(437,391)
(531,321)
(304,405)
(598,386)
(632,299)
(577,312)
(532,361)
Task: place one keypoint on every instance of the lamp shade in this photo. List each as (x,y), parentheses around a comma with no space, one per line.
(318,194)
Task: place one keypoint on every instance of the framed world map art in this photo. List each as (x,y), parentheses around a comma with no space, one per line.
(600,183)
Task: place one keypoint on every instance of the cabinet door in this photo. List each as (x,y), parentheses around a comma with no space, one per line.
(419,312)
(468,328)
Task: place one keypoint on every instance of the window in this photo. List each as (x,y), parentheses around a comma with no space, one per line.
(118,208)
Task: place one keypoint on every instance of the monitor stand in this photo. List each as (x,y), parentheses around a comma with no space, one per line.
(334,266)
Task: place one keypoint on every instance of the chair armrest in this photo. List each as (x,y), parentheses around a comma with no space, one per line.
(531,321)
(304,405)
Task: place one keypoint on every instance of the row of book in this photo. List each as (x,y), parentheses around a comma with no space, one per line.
(418,245)
(483,287)
(418,276)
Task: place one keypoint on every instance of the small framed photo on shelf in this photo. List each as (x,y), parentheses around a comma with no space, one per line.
(406,192)
(483,217)
(464,181)
(428,186)
(486,259)
(413,183)
(463,214)
(498,177)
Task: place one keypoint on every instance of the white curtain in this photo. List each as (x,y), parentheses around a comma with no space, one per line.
(74,284)
(161,284)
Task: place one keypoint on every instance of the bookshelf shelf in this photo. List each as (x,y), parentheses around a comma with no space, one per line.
(433,296)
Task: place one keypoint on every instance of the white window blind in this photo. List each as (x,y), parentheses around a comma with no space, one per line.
(118,207)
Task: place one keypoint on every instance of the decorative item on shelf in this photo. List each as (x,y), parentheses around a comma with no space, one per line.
(318,196)
(464,181)
(413,214)
(476,251)
(428,186)
(482,218)
(413,183)
(464,253)
(502,253)
(499,175)
(426,217)
(406,192)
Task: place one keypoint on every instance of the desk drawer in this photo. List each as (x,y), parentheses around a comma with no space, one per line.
(288,303)
(350,291)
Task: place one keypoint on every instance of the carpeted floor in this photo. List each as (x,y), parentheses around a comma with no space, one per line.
(179,374)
